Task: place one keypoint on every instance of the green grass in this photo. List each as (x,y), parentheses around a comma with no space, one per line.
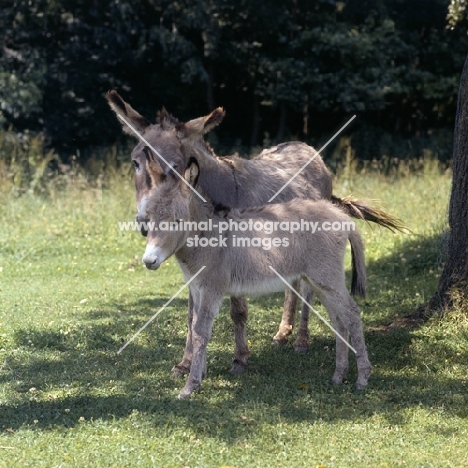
(72,290)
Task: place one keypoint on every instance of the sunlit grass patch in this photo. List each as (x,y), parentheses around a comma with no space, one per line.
(73,290)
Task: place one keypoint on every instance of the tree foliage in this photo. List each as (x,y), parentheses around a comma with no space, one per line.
(456,12)
(296,66)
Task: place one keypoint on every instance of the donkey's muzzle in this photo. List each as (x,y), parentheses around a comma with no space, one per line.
(153,257)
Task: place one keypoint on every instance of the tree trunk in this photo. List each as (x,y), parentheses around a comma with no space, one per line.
(455,271)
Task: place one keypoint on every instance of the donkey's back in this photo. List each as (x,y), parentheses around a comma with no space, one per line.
(304,239)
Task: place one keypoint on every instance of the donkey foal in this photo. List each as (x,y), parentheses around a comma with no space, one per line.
(231,270)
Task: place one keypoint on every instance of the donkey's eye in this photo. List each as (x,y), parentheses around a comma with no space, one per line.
(136,164)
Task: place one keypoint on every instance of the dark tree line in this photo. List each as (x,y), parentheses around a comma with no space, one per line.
(290,68)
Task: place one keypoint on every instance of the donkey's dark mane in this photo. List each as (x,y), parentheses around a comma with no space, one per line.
(221,210)
(203,146)
(166,120)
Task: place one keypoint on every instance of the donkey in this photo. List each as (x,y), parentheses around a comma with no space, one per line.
(225,268)
(238,183)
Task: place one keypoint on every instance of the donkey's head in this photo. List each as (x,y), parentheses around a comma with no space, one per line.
(169,137)
(167,207)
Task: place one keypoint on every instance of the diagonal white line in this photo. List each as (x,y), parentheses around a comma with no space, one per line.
(312,158)
(345,341)
(161,309)
(144,140)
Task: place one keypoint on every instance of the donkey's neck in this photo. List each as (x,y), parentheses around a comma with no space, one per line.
(205,216)
(199,210)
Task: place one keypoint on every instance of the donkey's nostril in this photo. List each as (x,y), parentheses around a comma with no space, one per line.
(151,265)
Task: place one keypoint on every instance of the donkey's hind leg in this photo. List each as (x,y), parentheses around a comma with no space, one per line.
(183,368)
(342,349)
(339,304)
(301,345)
(289,314)
(239,315)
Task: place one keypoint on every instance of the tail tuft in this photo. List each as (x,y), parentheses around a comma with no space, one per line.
(360,210)
(358,265)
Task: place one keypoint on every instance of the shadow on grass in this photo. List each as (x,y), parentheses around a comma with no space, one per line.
(279,383)
(91,381)
(100,385)
(409,274)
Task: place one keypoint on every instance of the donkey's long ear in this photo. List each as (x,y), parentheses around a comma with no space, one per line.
(198,127)
(120,107)
(191,172)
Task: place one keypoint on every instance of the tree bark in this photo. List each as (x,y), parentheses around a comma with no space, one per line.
(455,272)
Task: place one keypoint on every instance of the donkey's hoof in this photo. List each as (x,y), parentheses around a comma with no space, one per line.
(339,376)
(280,341)
(363,378)
(184,395)
(301,349)
(179,371)
(190,387)
(237,367)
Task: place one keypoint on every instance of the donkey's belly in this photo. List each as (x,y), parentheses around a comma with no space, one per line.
(258,288)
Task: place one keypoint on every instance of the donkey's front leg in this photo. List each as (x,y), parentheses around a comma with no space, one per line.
(183,368)
(239,315)
(289,314)
(206,307)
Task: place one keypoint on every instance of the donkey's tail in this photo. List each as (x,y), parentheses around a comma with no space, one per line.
(358,209)
(358,264)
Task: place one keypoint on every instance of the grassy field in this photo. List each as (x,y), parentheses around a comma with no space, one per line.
(73,289)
